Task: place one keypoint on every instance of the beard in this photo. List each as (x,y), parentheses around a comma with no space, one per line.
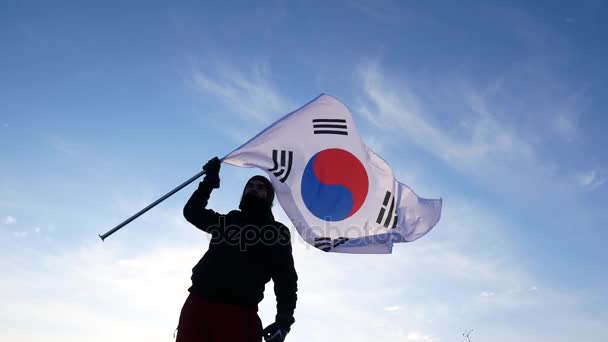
(255,209)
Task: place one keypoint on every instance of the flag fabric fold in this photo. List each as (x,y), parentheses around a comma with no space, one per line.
(339,194)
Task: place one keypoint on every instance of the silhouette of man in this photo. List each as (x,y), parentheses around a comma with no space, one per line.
(247,249)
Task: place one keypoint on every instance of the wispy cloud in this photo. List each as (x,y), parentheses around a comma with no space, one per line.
(591,179)
(395,106)
(249,94)
(479,137)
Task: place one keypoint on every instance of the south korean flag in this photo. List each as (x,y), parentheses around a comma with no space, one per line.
(339,194)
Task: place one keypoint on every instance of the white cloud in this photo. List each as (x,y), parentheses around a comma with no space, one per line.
(111,296)
(417,336)
(10,220)
(249,95)
(591,179)
(373,118)
(392,308)
(113,292)
(486,294)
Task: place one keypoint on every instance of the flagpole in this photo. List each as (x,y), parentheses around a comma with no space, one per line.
(138,214)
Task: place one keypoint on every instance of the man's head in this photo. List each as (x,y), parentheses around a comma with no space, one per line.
(258,194)
(260,187)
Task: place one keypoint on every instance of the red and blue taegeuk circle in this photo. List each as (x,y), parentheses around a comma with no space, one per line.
(334,184)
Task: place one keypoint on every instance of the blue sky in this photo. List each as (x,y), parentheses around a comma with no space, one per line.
(497,107)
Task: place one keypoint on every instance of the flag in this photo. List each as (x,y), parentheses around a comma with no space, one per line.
(339,194)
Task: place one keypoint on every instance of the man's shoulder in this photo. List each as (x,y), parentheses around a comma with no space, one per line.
(234,212)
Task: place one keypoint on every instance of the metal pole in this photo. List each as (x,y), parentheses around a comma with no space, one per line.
(127,221)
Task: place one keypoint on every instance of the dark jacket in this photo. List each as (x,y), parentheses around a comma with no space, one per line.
(242,257)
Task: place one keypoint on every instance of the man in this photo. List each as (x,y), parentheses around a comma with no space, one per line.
(247,249)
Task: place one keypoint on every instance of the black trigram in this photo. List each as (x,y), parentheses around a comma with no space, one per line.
(389,215)
(325,243)
(281,164)
(329,126)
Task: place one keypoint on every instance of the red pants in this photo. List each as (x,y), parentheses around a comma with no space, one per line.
(202,320)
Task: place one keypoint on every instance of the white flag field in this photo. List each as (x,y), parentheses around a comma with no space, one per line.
(338,193)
